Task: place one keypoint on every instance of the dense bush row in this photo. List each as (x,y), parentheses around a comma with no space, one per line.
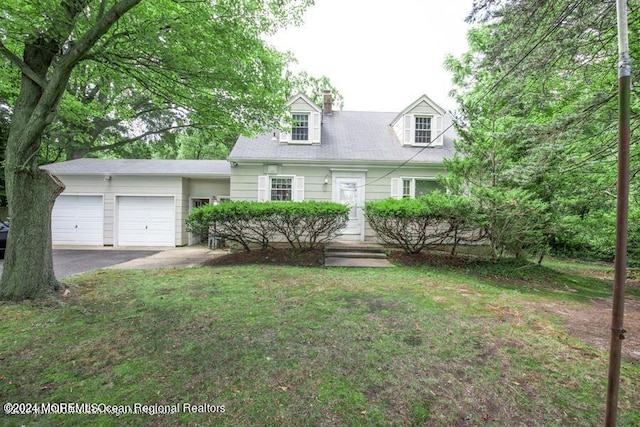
(302,224)
(513,222)
(417,224)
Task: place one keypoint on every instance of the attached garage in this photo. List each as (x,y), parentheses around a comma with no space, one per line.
(145,220)
(78,220)
(132,202)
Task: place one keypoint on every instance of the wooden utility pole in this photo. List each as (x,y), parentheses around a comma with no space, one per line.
(622,214)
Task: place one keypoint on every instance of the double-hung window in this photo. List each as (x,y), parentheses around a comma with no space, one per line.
(281,189)
(417,187)
(423,130)
(300,128)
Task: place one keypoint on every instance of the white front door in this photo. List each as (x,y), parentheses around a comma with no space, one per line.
(348,189)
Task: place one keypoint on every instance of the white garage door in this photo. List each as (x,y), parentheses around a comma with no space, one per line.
(77,220)
(146,221)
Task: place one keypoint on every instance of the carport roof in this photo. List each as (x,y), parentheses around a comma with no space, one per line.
(190,168)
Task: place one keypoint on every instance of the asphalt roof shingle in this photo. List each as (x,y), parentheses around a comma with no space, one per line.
(220,168)
(347,136)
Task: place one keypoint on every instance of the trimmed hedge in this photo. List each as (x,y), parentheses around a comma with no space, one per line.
(511,221)
(417,224)
(302,224)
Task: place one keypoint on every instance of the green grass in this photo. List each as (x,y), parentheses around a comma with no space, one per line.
(310,346)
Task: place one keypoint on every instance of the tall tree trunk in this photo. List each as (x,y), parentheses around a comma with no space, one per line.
(28,266)
(31,192)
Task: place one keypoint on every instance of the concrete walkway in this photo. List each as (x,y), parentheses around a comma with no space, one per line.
(187,256)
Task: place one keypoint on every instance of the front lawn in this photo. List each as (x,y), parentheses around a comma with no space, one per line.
(311,346)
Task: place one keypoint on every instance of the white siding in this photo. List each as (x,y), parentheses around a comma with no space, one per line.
(133,185)
(301,105)
(398,128)
(207,188)
(423,108)
(244,181)
(378,189)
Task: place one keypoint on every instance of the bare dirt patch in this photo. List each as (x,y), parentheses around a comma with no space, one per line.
(591,323)
(279,256)
(427,258)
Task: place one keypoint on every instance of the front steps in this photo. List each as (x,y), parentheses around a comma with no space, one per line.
(355,254)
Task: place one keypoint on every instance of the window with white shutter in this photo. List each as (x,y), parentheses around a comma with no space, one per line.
(414,187)
(423,130)
(280,188)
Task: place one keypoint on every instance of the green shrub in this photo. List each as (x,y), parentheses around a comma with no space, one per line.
(416,224)
(306,224)
(514,220)
(302,224)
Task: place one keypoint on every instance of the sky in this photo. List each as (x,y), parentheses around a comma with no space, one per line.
(380,55)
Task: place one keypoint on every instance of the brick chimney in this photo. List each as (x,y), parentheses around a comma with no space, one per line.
(327,102)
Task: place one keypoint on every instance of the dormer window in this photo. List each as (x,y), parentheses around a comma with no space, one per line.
(300,128)
(303,125)
(423,130)
(420,124)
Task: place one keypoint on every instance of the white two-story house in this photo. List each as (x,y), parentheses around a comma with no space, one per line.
(319,154)
(344,156)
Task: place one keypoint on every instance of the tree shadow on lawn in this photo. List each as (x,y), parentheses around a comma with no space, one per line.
(581,285)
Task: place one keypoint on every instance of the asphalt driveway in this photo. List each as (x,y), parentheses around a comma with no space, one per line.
(67,262)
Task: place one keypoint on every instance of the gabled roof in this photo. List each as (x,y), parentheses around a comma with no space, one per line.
(347,136)
(186,168)
(423,98)
(302,96)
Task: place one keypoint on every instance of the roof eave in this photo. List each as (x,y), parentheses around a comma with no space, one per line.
(336,161)
(183,175)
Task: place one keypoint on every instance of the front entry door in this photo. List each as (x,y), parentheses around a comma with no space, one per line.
(348,189)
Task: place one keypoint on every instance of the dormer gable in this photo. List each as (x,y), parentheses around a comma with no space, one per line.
(420,124)
(303,124)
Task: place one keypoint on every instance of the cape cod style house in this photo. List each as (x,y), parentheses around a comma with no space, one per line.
(344,156)
(319,154)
